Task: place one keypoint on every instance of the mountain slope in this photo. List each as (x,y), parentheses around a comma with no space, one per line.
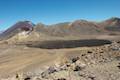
(65,29)
(17,28)
(112,24)
(79,27)
(82,27)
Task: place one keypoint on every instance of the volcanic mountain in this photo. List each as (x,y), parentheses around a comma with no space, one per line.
(112,24)
(78,27)
(26,26)
(75,28)
(81,27)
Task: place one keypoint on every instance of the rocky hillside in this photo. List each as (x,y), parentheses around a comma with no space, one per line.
(112,24)
(76,28)
(94,63)
(25,26)
(81,27)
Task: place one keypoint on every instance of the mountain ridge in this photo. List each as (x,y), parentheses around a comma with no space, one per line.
(75,28)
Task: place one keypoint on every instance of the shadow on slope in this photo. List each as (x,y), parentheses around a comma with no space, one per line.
(60,44)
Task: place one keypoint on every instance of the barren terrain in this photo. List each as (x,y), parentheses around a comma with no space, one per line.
(80,50)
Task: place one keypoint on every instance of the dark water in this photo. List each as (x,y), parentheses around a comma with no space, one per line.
(59,44)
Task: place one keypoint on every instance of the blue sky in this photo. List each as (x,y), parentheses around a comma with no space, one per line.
(55,11)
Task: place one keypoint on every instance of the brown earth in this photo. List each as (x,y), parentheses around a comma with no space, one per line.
(80,50)
(101,61)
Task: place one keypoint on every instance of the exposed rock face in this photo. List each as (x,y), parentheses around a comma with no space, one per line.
(20,36)
(25,26)
(112,24)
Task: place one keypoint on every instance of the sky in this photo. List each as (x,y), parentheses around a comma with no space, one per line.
(56,11)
